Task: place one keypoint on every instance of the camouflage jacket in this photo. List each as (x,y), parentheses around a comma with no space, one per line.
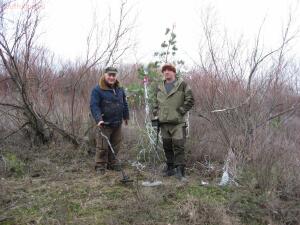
(172,108)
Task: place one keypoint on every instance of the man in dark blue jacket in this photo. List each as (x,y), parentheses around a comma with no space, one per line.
(108,105)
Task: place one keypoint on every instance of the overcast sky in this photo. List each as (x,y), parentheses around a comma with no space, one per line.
(67,23)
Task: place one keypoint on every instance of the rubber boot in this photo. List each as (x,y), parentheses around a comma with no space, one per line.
(100,169)
(169,170)
(180,173)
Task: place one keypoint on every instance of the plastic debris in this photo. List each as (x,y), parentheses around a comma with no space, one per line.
(204,183)
(151,183)
(225,179)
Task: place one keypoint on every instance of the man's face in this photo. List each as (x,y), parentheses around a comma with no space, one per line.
(110,78)
(169,74)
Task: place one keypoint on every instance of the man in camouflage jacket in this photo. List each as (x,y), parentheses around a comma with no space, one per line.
(174,99)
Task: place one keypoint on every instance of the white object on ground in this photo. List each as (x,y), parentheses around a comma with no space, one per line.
(225,179)
(151,184)
(204,182)
(229,169)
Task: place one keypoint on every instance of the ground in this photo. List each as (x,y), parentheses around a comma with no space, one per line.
(66,190)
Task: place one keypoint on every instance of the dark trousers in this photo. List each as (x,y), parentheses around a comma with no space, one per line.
(174,137)
(104,156)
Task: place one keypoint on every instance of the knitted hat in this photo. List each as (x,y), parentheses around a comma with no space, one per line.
(168,66)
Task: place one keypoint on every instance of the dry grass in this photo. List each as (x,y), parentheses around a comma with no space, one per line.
(60,187)
(198,211)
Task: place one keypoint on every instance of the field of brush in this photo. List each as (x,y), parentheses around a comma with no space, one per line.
(57,185)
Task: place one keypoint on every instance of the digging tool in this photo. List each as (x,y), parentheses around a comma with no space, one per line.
(125,178)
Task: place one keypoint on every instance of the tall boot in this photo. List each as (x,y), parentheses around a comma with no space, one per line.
(100,168)
(169,170)
(180,173)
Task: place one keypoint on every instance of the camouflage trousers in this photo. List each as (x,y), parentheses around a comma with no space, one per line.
(174,137)
(104,156)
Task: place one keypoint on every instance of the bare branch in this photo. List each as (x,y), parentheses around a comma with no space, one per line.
(14,132)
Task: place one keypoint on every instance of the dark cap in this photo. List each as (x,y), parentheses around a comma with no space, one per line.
(168,66)
(111,69)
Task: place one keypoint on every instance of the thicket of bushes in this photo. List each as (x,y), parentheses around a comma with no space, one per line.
(247,105)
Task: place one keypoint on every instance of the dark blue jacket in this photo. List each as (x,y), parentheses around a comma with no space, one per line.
(109,104)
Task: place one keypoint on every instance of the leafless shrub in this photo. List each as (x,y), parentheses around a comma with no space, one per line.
(247,102)
(36,99)
(18,51)
(241,91)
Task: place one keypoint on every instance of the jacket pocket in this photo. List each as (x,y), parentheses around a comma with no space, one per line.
(174,116)
(180,110)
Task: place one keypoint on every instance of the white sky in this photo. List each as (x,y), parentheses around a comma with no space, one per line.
(67,22)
